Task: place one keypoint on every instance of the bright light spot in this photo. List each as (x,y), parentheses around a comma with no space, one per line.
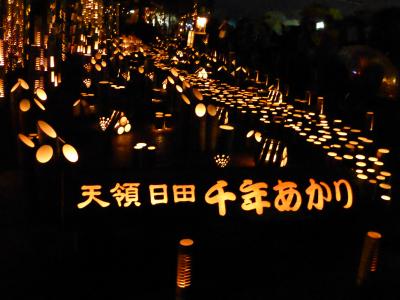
(44,154)
(320,25)
(200,110)
(70,153)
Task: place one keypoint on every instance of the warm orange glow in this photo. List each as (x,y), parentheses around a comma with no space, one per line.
(15,87)
(250,134)
(70,153)
(186,85)
(184,193)
(289,198)
(179,88)
(200,110)
(47,129)
(24,84)
(374,235)
(385,186)
(253,199)
(120,130)
(2,91)
(197,94)
(369,256)
(217,195)
(226,127)
(25,105)
(184,271)
(222,160)
(140,145)
(202,74)
(171,80)
(158,194)
(91,192)
(185,99)
(186,242)
(2,53)
(26,140)
(128,128)
(40,105)
(44,154)
(349,191)
(386,174)
(174,72)
(383,151)
(201,23)
(362,176)
(41,94)
(127,192)
(258,136)
(318,195)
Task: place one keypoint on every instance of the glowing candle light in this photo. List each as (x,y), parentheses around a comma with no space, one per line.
(369,256)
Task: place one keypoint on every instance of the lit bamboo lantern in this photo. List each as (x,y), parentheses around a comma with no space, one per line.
(200,110)
(382,152)
(52,65)
(159,120)
(273,152)
(46,132)
(41,94)
(150,156)
(138,154)
(24,105)
(2,62)
(70,153)
(225,139)
(184,268)
(44,154)
(185,99)
(222,160)
(370,120)
(369,256)
(320,105)
(27,141)
(167,121)
(2,91)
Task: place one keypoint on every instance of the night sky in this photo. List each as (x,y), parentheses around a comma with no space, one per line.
(237,8)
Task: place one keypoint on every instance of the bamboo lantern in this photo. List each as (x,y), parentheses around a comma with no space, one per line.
(369,256)
(273,152)
(370,121)
(2,89)
(225,139)
(46,133)
(184,268)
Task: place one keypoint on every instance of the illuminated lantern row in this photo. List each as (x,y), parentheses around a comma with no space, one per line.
(338,141)
(111,20)
(2,70)
(92,14)
(13,27)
